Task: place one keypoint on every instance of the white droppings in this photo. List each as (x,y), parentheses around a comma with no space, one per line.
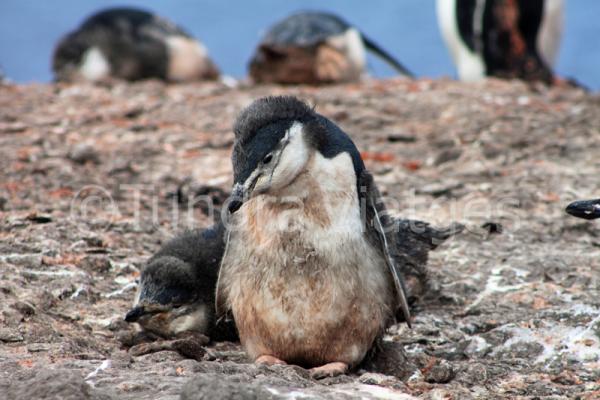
(127,287)
(578,343)
(59,273)
(121,280)
(493,285)
(294,394)
(416,376)
(105,364)
(102,322)
(477,345)
(77,292)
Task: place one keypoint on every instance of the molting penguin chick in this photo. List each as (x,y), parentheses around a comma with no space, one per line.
(502,38)
(307,271)
(131,44)
(586,209)
(177,286)
(314,48)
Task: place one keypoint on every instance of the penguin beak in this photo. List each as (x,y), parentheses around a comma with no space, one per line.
(134,314)
(586,209)
(236,199)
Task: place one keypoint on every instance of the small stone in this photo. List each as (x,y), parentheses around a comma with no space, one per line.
(94,241)
(53,384)
(440,373)
(25,308)
(93,263)
(493,227)
(390,359)
(217,387)
(39,218)
(372,378)
(25,260)
(440,189)
(447,156)
(38,347)
(401,138)
(10,335)
(83,153)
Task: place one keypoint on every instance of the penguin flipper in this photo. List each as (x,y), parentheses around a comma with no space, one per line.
(221,292)
(380,228)
(387,57)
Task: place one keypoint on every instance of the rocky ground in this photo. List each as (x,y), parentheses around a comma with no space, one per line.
(94,179)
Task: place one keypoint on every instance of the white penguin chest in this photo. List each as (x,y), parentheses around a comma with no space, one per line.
(307,268)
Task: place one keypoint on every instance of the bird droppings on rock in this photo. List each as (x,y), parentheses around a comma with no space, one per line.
(511,315)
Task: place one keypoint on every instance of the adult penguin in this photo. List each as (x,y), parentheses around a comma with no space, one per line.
(315,48)
(513,39)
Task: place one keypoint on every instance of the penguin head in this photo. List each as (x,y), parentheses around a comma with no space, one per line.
(274,139)
(586,209)
(167,301)
(68,56)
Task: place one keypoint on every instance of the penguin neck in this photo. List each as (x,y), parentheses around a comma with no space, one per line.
(323,197)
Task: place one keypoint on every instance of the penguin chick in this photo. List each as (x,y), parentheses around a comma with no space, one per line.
(512,39)
(175,296)
(314,48)
(131,44)
(586,209)
(308,271)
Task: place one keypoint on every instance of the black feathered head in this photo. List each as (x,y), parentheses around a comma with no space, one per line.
(273,138)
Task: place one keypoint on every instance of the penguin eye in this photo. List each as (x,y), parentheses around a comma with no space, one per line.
(267,158)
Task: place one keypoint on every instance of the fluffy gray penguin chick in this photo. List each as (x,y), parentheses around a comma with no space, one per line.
(308,272)
(177,288)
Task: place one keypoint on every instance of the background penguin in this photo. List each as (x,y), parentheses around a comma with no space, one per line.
(176,292)
(502,38)
(586,209)
(308,272)
(130,44)
(313,48)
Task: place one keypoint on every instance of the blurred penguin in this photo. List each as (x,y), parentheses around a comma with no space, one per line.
(314,48)
(131,44)
(512,39)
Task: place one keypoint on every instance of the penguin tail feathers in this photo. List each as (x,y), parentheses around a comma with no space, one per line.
(387,57)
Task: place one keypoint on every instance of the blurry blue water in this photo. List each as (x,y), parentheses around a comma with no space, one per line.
(29,30)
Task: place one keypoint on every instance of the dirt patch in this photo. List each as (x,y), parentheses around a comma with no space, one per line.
(94,179)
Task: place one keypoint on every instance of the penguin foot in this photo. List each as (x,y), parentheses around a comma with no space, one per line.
(329,370)
(269,360)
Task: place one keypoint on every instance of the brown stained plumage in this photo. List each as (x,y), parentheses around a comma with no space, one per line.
(297,65)
(332,65)
(295,297)
(521,61)
(507,15)
(288,65)
(158,323)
